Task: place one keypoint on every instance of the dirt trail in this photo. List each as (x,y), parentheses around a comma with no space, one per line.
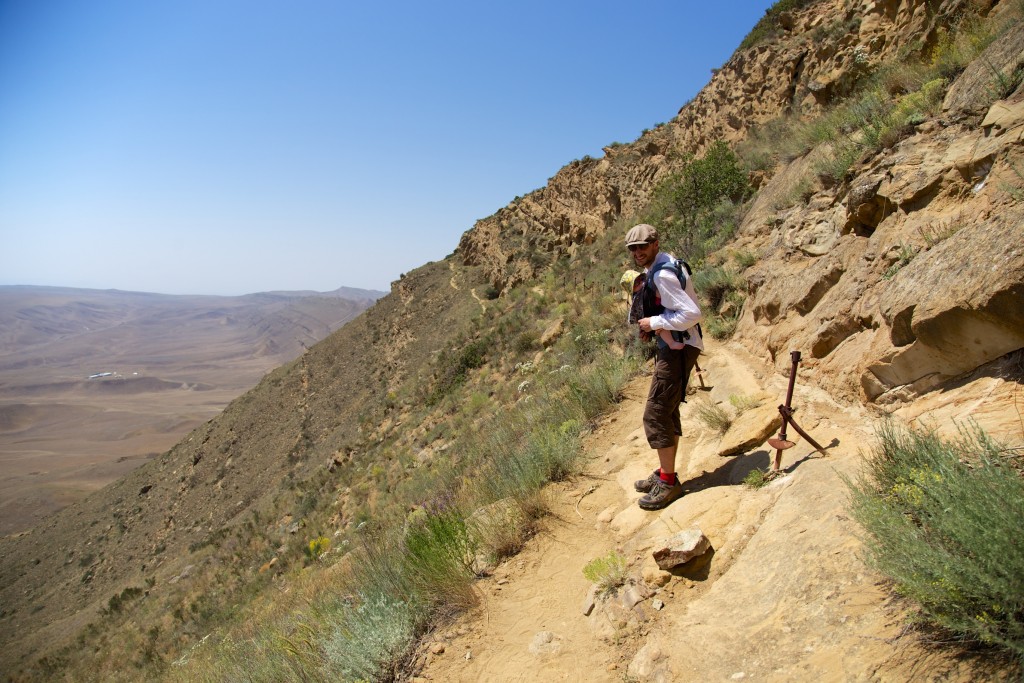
(784,595)
(472,291)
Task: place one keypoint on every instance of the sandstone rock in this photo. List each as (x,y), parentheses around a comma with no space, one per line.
(631,596)
(972,91)
(552,333)
(650,664)
(819,239)
(1004,115)
(750,430)
(865,209)
(947,324)
(681,548)
(653,575)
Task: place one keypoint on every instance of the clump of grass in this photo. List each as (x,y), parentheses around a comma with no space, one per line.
(742,403)
(755,479)
(607,573)
(714,284)
(936,233)
(744,258)
(943,519)
(719,327)
(904,256)
(713,416)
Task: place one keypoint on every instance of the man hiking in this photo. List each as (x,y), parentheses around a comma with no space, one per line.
(669,303)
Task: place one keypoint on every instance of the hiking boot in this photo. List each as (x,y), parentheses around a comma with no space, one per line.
(645,485)
(661,495)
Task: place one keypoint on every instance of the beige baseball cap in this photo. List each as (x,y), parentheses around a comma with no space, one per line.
(641,234)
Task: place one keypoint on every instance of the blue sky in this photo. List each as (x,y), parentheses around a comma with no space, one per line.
(228,147)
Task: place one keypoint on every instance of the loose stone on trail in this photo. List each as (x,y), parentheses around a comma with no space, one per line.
(681,548)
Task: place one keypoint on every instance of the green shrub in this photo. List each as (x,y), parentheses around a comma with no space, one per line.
(718,326)
(698,208)
(317,547)
(943,519)
(607,573)
(369,638)
(453,365)
(745,258)
(715,283)
(756,479)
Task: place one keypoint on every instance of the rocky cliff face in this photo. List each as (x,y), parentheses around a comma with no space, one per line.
(903,275)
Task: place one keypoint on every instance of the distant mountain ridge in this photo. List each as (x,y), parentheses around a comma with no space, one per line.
(32,315)
(94,381)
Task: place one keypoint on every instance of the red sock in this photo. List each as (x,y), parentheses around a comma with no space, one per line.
(668,478)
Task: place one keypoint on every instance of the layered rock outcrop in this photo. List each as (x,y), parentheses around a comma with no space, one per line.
(908,272)
(912,272)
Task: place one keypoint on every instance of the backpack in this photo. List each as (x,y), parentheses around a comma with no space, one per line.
(647,301)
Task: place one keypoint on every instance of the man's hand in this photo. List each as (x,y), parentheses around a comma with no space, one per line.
(645,325)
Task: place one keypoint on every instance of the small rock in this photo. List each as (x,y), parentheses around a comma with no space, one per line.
(613,666)
(681,548)
(654,575)
(552,333)
(437,649)
(545,642)
(647,662)
(631,596)
(738,676)
(658,605)
(469,655)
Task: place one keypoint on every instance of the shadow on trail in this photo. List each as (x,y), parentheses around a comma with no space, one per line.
(734,469)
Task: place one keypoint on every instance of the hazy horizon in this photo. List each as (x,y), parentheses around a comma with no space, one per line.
(229,148)
(137,291)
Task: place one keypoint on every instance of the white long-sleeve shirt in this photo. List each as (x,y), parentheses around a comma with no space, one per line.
(681,309)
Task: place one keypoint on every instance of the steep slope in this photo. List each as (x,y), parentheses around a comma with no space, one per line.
(154,524)
(93,383)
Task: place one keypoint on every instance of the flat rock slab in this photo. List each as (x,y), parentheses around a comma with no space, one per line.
(751,430)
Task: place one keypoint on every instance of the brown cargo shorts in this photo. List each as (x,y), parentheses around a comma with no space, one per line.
(668,390)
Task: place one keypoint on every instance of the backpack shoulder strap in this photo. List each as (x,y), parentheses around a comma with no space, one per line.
(680,268)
